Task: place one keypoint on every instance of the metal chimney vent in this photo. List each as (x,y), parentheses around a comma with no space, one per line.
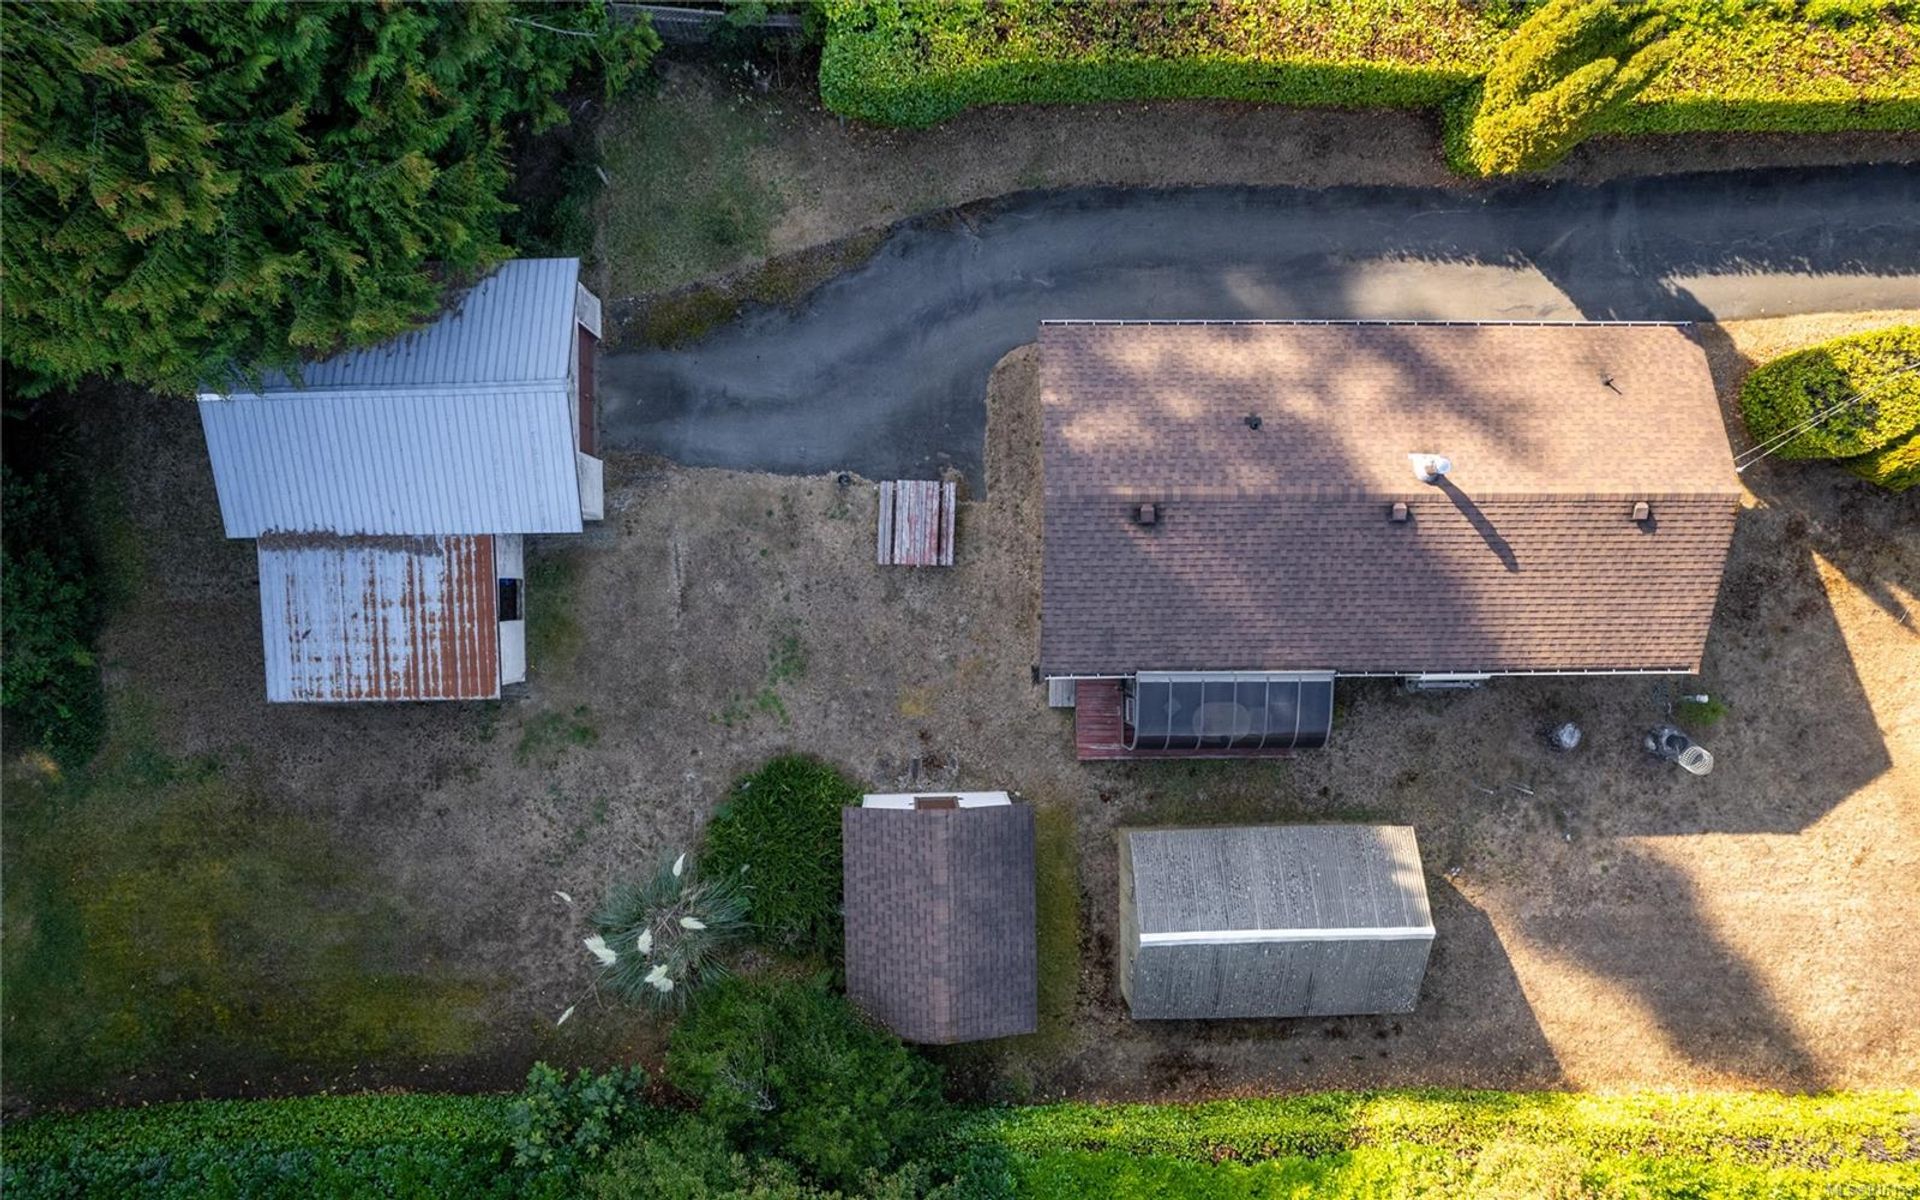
(1428,468)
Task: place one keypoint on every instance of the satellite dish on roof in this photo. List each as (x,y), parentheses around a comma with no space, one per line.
(1428,468)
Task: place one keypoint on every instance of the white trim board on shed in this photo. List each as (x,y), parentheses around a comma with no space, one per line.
(1272,921)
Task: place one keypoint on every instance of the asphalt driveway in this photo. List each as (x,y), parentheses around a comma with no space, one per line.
(883,370)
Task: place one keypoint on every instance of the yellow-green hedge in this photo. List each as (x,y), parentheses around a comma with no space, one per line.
(1750,65)
(1881,368)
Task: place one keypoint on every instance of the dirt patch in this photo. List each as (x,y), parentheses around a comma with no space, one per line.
(831,178)
(1604,921)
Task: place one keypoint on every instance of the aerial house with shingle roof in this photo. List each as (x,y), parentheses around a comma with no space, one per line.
(389,491)
(940,915)
(1238,513)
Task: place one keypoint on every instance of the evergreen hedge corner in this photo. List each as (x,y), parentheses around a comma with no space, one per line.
(1561,76)
(1895,466)
(1882,366)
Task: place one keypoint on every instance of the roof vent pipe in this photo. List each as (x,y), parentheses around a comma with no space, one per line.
(1428,468)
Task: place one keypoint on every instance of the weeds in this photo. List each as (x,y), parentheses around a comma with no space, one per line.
(547,736)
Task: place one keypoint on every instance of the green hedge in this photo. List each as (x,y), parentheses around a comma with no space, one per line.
(307,1149)
(918,62)
(1744,65)
(779,832)
(1895,466)
(1452,1143)
(1881,367)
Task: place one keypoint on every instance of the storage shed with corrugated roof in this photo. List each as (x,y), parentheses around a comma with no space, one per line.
(1272,921)
(390,489)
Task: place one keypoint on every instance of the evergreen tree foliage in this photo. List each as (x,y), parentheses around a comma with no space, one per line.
(1569,67)
(195,187)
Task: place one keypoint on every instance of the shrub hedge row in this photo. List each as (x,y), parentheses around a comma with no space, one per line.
(1871,382)
(307,1149)
(778,832)
(1744,65)
(1453,1143)
(1379,1145)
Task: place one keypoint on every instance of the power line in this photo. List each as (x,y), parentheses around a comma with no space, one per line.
(1778,441)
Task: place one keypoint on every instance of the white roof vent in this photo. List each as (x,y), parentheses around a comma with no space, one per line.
(1428,468)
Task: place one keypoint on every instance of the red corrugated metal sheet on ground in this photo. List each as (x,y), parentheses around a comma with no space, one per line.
(379,618)
(916,523)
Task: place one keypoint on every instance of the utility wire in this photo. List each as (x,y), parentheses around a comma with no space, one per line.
(1778,441)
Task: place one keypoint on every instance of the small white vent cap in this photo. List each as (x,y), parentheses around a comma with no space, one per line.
(1428,468)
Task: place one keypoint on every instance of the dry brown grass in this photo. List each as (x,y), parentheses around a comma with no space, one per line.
(1615,925)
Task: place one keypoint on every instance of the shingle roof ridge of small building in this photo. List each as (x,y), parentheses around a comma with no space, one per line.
(939,919)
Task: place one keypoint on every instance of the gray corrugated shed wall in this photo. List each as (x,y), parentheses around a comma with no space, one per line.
(464,427)
(1272,921)
(940,920)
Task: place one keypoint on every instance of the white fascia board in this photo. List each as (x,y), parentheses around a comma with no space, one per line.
(1236,937)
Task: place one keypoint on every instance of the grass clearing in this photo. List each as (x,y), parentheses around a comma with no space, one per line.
(1536,1144)
(685,199)
(548,735)
(554,633)
(161,914)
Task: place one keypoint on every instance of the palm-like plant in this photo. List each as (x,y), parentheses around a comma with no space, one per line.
(660,940)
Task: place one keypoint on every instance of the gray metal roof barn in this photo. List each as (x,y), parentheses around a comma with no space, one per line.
(1272,921)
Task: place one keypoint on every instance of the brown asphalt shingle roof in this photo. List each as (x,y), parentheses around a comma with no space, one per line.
(1273,549)
(940,920)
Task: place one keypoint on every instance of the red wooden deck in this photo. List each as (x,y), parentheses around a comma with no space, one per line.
(587,344)
(916,523)
(1098,734)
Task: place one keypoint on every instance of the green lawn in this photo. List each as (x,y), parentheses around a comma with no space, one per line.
(161,916)
(684,201)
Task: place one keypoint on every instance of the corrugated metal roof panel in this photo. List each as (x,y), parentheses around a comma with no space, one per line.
(389,618)
(472,460)
(1273,921)
(515,326)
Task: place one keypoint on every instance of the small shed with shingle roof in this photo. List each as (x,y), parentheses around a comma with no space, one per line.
(939,898)
(1272,921)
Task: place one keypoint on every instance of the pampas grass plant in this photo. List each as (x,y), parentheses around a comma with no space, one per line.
(660,940)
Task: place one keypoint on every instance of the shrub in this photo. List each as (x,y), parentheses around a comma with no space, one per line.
(1570,67)
(401,1146)
(49,612)
(1869,382)
(1895,466)
(918,62)
(557,1121)
(658,941)
(1764,65)
(794,1071)
(779,832)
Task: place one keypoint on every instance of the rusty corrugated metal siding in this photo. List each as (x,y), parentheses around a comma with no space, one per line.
(379,618)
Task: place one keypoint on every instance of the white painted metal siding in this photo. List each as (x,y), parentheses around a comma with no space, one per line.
(478,460)
(593,499)
(586,309)
(510,562)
